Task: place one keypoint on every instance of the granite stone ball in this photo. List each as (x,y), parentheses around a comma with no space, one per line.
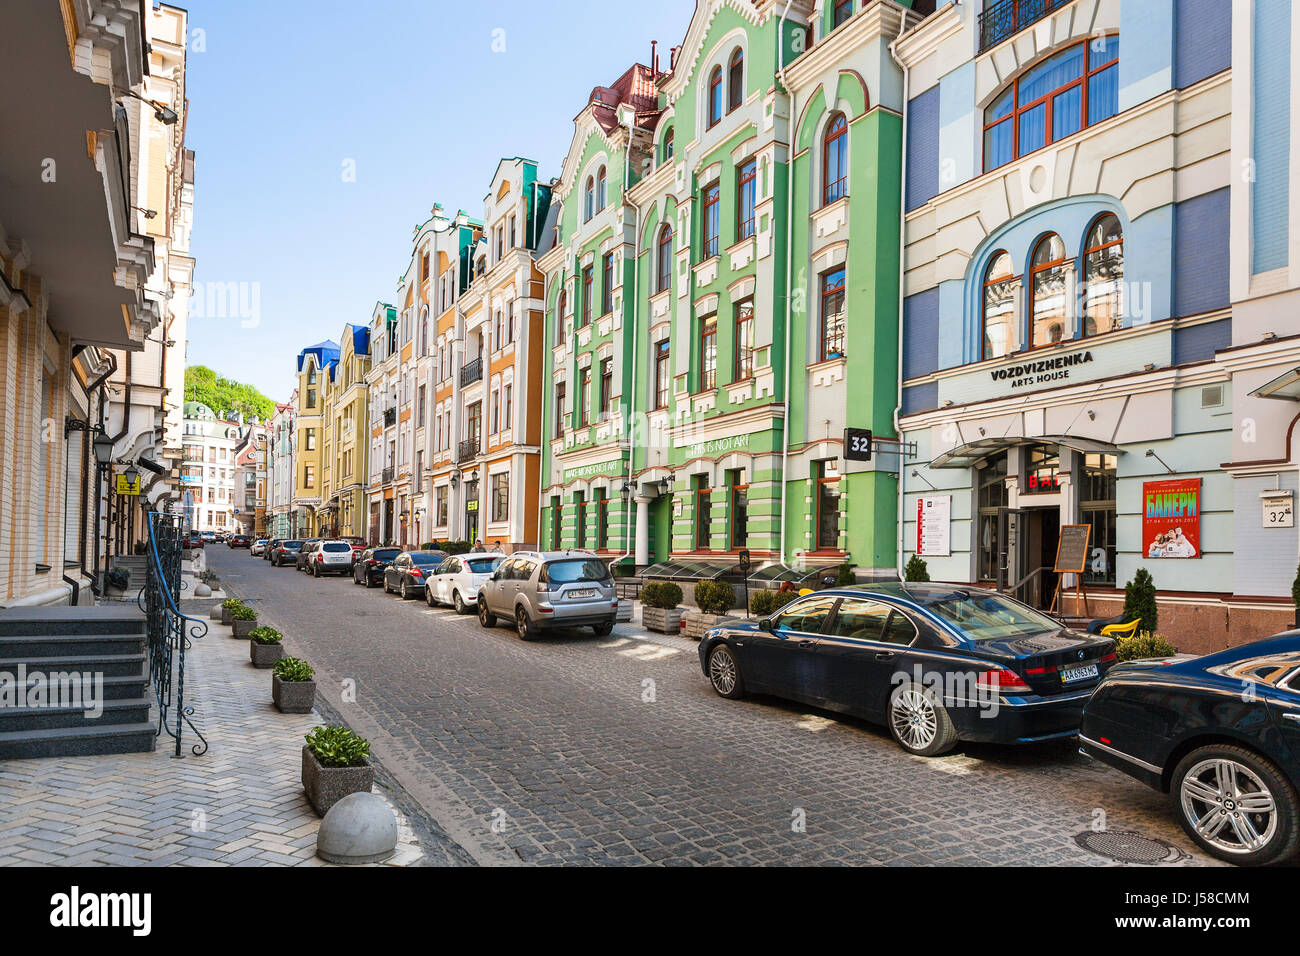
(215,613)
(360,828)
(201,590)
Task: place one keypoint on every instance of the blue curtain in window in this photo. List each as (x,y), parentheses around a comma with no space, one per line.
(1103,95)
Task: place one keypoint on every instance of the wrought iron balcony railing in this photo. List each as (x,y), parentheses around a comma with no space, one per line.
(471,372)
(388,476)
(1006,18)
(390,417)
(469,448)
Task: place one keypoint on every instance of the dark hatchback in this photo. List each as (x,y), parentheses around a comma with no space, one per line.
(285,552)
(934,663)
(408,575)
(270,546)
(369,567)
(1220,734)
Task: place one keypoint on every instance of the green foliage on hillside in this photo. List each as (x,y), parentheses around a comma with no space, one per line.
(225,395)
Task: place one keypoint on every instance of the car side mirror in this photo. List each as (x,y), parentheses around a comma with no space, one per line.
(765,624)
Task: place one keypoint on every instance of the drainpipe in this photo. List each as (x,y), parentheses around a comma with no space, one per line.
(902,249)
(636,243)
(789,264)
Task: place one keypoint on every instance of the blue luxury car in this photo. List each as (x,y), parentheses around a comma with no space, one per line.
(935,663)
(1220,734)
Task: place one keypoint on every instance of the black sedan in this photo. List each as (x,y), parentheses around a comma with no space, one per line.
(270,546)
(409,572)
(1220,734)
(285,552)
(369,567)
(935,663)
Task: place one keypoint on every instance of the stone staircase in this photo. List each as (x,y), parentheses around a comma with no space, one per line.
(107,642)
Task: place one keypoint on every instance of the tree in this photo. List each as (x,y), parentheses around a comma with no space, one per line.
(1140,600)
(220,394)
(915,569)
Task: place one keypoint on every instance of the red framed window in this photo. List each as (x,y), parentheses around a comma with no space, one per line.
(562,306)
(588,290)
(1048,316)
(703,514)
(736,80)
(663,373)
(835,160)
(744,366)
(708,353)
(709,245)
(584,397)
(832,338)
(589,200)
(602,196)
(607,284)
(1103,277)
(606,388)
(1074,88)
(842,10)
(746,195)
(999,307)
(665,258)
(715,97)
(560,409)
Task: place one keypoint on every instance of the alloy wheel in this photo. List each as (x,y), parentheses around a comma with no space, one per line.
(722,671)
(1229,806)
(913,718)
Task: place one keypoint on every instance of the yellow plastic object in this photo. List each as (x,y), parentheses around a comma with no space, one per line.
(804,591)
(1121,631)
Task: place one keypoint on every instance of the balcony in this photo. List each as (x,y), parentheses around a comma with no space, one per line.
(1006,18)
(390,417)
(388,475)
(468,449)
(471,372)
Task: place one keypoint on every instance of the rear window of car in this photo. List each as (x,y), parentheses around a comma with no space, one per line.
(982,616)
(568,572)
(482,565)
(291,544)
(427,558)
(386,554)
(334,547)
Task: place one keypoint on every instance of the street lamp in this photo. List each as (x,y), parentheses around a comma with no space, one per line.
(163,114)
(103,448)
(131,474)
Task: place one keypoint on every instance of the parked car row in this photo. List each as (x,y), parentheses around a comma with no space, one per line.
(938,665)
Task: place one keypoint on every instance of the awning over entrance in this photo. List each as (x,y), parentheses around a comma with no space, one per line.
(1285,387)
(965,456)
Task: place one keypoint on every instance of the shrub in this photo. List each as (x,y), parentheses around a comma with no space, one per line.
(1295,588)
(1142,645)
(429,546)
(846,576)
(265,635)
(765,602)
(229,604)
(1140,600)
(715,597)
(338,747)
(661,594)
(453,547)
(243,613)
(293,670)
(140,547)
(915,569)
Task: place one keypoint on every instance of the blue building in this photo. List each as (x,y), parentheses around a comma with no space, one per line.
(1099,304)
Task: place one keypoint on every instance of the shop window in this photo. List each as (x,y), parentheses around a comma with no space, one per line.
(1047,293)
(703,512)
(1103,277)
(739,509)
(991,499)
(1097,510)
(999,307)
(1042,470)
(828,506)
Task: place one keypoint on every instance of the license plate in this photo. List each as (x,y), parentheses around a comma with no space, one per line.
(584,593)
(1070,675)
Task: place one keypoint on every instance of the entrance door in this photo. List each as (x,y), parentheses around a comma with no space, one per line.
(1037,533)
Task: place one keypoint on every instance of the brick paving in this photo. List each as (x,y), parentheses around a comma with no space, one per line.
(557,751)
(240,804)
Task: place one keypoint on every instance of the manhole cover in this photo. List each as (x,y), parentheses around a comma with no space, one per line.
(1124,847)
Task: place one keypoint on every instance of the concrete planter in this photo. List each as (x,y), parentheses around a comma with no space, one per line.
(225,617)
(264,656)
(293,697)
(663,620)
(326,786)
(697,623)
(242,628)
(624,610)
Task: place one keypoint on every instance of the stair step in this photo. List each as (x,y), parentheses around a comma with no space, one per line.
(115,713)
(110,665)
(77,741)
(102,619)
(69,645)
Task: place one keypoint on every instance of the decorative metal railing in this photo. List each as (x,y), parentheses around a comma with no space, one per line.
(1007,17)
(170,631)
(471,372)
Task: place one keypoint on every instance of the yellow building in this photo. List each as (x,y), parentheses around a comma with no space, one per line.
(314,363)
(345,409)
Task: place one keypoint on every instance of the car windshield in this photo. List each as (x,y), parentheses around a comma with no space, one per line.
(335,547)
(983,616)
(482,565)
(567,572)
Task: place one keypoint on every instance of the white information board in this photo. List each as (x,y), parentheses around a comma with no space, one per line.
(933,522)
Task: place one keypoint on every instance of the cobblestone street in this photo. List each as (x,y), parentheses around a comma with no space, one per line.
(586,750)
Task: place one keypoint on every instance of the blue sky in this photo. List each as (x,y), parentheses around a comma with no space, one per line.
(284,92)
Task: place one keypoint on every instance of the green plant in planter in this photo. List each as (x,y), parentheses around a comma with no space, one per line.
(229,604)
(265,635)
(1142,645)
(293,670)
(915,569)
(763,602)
(243,613)
(1140,600)
(661,594)
(338,747)
(715,597)
(845,577)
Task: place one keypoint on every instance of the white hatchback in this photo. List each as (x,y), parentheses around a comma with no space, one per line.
(456,581)
(331,557)
(258,547)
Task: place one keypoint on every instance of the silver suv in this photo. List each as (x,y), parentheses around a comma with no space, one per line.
(329,557)
(538,590)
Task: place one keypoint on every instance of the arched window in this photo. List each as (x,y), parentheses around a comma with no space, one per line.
(736,80)
(668,145)
(665,261)
(600,188)
(589,200)
(715,96)
(1103,277)
(999,307)
(835,160)
(1047,313)
(1071,89)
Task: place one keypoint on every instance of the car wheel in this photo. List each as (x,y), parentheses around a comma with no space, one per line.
(919,722)
(724,673)
(524,626)
(369,583)
(1236,805)
(486,617)
(387,589)
(428,596)
(315,571)
(457,603)
(402,591)
(603,630)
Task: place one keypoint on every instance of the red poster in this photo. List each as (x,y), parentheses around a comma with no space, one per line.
(1171,518)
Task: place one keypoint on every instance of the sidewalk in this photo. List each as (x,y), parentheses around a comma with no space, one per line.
(241,803)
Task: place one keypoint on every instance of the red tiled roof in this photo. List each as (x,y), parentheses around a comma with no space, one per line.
(637,88)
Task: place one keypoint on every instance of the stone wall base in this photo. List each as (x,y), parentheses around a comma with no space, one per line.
(1202,626)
